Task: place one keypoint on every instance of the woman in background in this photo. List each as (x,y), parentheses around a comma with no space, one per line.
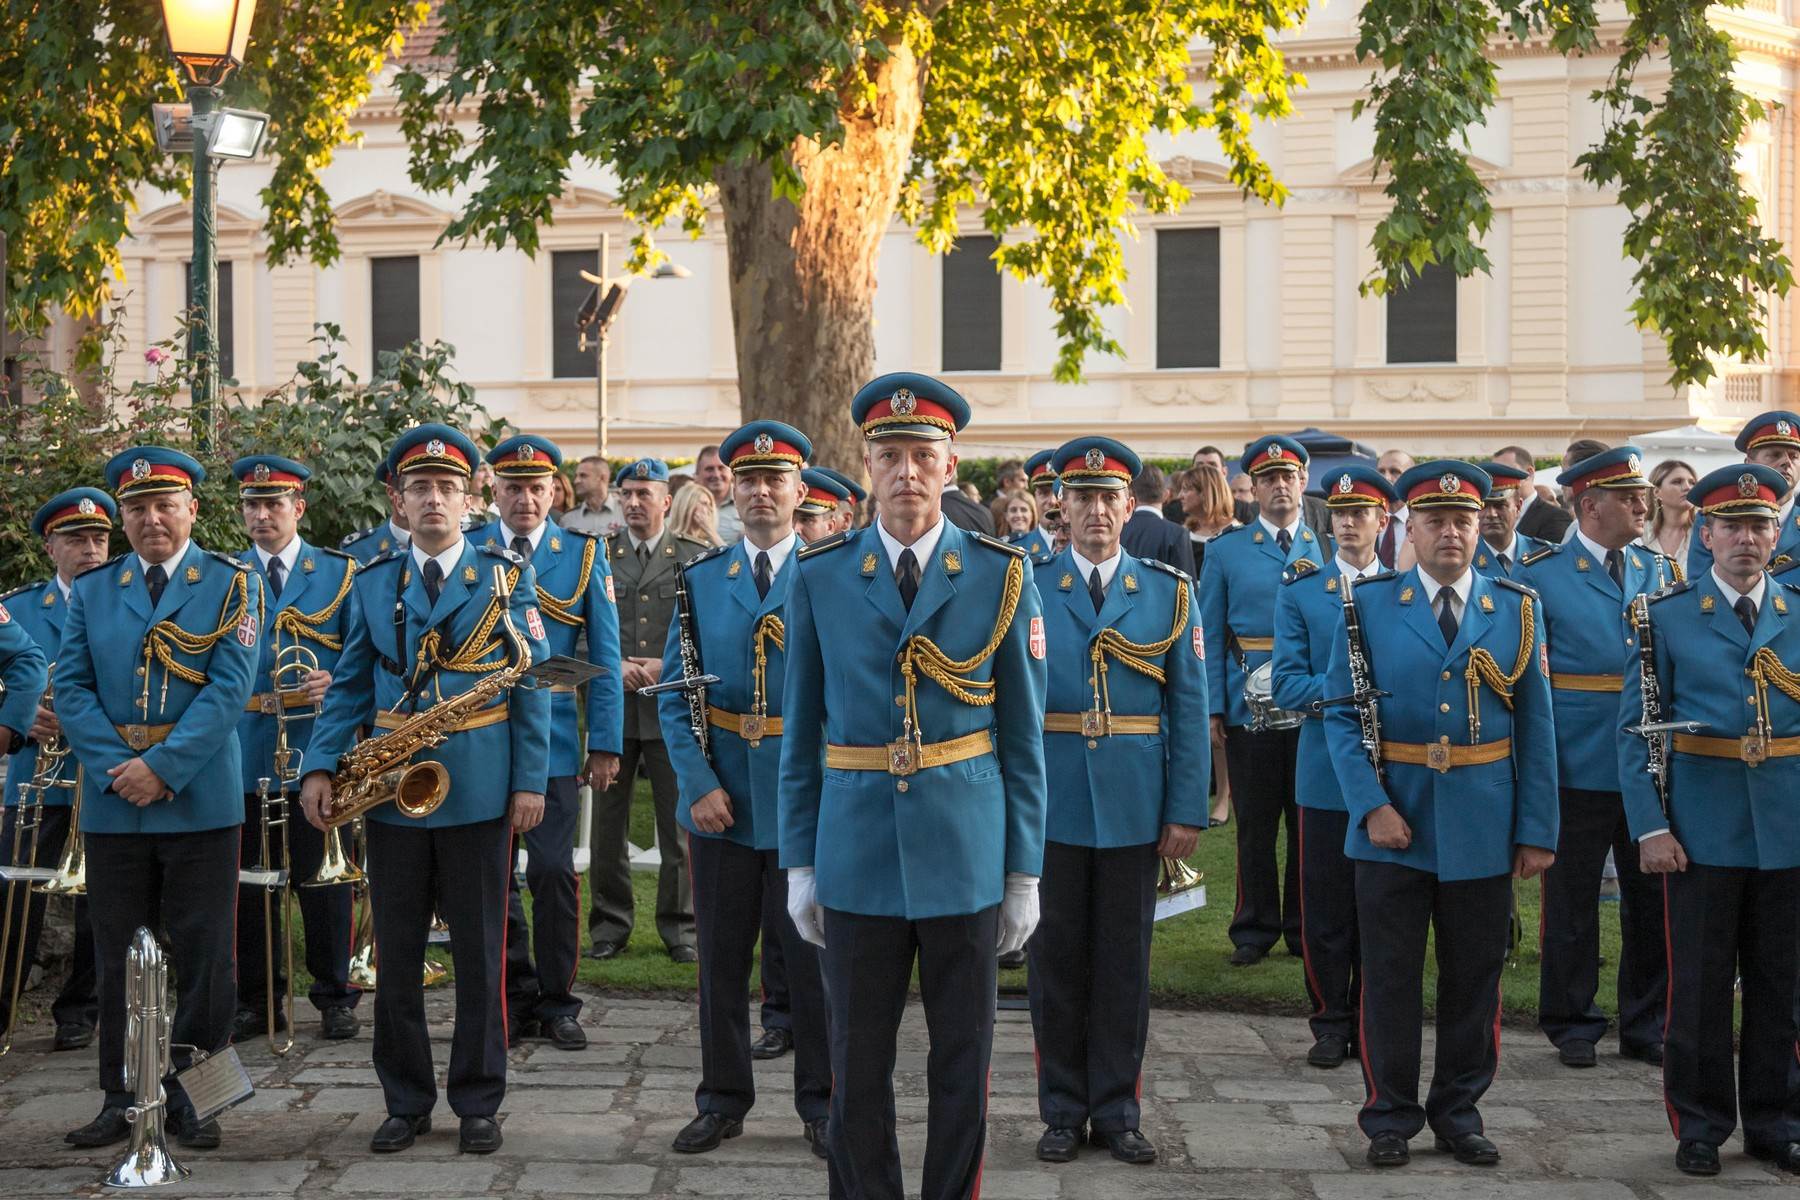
(1206,512)
(1671,524)
(693,515)
(1014,513)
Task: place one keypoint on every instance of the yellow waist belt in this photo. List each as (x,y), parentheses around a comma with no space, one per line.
(1248,644)
(1587,683)
(142,737)
(477,720)
(266,702)
(1440,756)
(563,689)
(745,725)
(904,757)
(1748,749)
(1093,724)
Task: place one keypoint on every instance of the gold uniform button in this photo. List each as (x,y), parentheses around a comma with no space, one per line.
(902,786)
(1446,674)
(641,596)
(1092,744)
(140,671)
(643,620)
(1443,708)
(900,700)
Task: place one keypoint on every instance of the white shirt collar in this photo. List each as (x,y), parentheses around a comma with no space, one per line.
(402,537)
(1275,530)
(1594,548)
(921,549)
(508,533)
(1344,568)
(1787,507)
(1731,594)
(169,564)
(639,544)
(778,553)
(1462,587)
(447,560)
(290,553)
(1511,549)
(62,587)
(1108,569)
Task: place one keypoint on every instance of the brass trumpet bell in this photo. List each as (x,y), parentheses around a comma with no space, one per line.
(335,867)
(71,873)
(1176,876)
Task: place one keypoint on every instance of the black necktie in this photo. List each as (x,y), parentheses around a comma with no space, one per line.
(1615,566)
(1096,591)
(1285,540)
(1505,562)
(1384,549)
(521,546)
(1746,611)
(154,579)
(1446,598)
(763,575)
(906,574)
(434,578)
(277,577)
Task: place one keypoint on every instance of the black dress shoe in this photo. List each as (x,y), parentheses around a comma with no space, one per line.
(1652,1053)
(683,954)
(518,1031)
(601,951)
(1388,1150)
(1329,1051)
(1127,1145)
(1059,1144)
(107,1129)
(774,1043)
(1697,1158)
(1785,1155)
(1247,956)
(1577,1052)
(705,1132)
(1012,960)
(397,1133)
(1470,1149)
(254,1022)
(72,1035)
(816,1133)
(337,1024)
(192,1134)
(480,1135)
(566,1033)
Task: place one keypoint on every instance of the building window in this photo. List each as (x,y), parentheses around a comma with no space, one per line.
(393,304)
(1187,297)
(226,332)
(971,306)
(1421,318)
(568,290)
(14,394)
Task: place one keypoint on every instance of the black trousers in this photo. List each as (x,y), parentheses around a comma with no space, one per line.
(546,991)
(731,883)
(777,1009)
(1724,923)
(324,914)
(1328,931)
(1089,985)
(78,1003)
(1397,906)
(1569,929)
(460,872)
(868,965)
(1261,767)
(185,886)
(612,908)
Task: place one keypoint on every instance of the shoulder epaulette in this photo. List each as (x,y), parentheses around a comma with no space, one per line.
(335,553)
(19,591)
(695,549)
(1387,576)
(1673,589)
(1792,587)
(1157,564)
(223,557)
(1524,589)
(1546,552)
(499,551)
(114,561)
(994,543)
(709,552)
(350,539)
(1300,568)
(586,533)
(823,544)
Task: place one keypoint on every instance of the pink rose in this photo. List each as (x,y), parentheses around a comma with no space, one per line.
(156,356)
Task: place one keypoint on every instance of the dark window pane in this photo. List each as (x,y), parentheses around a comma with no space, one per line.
(567,291)
(971,306)
(1421,318)
(1187,298)
(227,332)
(393,303)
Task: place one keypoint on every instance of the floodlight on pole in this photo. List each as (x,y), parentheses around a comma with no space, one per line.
(600,310)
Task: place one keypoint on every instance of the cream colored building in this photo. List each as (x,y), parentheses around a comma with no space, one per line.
(1538,352)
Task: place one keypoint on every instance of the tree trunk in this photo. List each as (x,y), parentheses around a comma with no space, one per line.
(803,276)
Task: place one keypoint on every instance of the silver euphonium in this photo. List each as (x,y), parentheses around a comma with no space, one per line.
(149,1029)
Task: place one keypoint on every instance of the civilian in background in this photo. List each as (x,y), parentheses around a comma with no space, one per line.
(1009,476)
(966,513)
(712,473)
(1014,512)
(1243,494)
(1149,535)
(565,496)
(1206,501)
(1539,518)
(1671,524)
(598,513)
(693,515)
(1242,510)
(1391,546)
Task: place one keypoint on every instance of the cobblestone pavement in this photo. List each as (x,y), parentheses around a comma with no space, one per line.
(1229,1100)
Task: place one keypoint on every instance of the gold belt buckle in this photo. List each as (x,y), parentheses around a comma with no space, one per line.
(268,702)
(137,737)
(750,728)
(1437,757)
(1752,749)
(903,757)
(1093,723)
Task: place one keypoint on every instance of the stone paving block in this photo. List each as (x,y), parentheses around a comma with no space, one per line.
(339,1076)
(1633,1156)
(552,1136)
(670,1056)
(558,1100)
(270,1099)
(1472,1185)
(1245,1146)
(1108,1180)
(664,1102)
(1719,1191)
(46,1181)
(586,1179)
(545,1055)
(214,1176)
(346,1100)
(407,1179)
(751,1181)
(1020,1185)
(569,1077)
(1291,1090)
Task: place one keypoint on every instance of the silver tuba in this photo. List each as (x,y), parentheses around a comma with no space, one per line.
(1259,694)
(149,1027)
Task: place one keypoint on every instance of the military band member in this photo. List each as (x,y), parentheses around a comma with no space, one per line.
(1727,847)
(821,500)
(1463,802)
(912,831)
(1308,612)
(391,534)
(1772,440)
(157,661)
(1126,788)
(305,588)
(75,526)
(424,627)
(1586,585)
(575,597)
(728,796)
(1502,545)
(1238,584)
(1040,476)
(858,495)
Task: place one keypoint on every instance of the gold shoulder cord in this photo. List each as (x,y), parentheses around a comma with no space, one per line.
(296,624)
(1765,669)
(1136,655)
(921,654)
(564,609)
(166,637)
(1483,669)
(467,658)
(769,629)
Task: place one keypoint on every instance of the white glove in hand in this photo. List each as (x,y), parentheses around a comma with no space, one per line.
(1018,910)
(803,905)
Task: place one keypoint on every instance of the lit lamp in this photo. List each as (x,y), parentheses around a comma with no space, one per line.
(208,39)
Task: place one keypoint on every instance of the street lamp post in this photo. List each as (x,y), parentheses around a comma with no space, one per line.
(598,314)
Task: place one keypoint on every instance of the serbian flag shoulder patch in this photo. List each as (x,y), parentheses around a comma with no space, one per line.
(1037,637)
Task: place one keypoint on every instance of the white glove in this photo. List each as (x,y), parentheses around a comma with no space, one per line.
(1018,910)
(803,905)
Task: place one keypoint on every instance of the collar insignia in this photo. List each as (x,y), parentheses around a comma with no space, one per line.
(1481,560)
(1637,562)
(1131,583)
(1331,585)
(1780,604)
(1581,563)
(1257,537)
(306,564)
(1706,604)
(1306,535)
(125,577)
(406,577)
(193,574)
(732,572)
(1406,595)
(868,564)
(468,574)
(382,546)
(1066,582)
(1487,604)
(50,598)
(952,562)
(556,545)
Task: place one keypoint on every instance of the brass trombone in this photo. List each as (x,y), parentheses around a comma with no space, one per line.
(22,874)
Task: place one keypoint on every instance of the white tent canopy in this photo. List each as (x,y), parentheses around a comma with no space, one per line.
(1699,448)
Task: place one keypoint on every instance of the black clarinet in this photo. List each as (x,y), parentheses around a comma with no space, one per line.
(1363,693)
(1652,724)
(694,681)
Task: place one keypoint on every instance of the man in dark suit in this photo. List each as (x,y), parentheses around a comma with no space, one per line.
(966,513)
(1538,519)
(1147,535)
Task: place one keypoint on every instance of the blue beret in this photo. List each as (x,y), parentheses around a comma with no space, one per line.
(652,469)
(147,470)
(1445,483)
(1096,462)
(857,492)
(1620,467)
(269,475)
(1740,490)
(525,455)
(433,447)
(1274,452)
(1770,429)
(907,404)
(1354,485)
(77,508)
(765,446)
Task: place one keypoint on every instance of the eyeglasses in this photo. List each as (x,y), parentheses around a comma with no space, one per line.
(422,490)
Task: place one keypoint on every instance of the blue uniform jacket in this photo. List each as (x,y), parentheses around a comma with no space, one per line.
(575,595)
(1724,812)
(1488,563)
(1787,546)
(1309,609)
(1120,790)
(1465,821)
(39,610)
(367,544)
(1238,581)
(1035,545)
(486,765)
(1590,635)
(942,841)
(727,613)
(102,674)
(310,613)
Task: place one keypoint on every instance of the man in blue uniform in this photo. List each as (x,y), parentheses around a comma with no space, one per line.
(1586,584)
(912,831)
(391,534)
(305,588)
(1502,545)
(1127,787)
(1238,582)
(821,499)
(1724,646)
(846,509)
(575,595)
(426,625)
(157,661)
(1040,477)
(1308,613)
(75,526)
(728,791)
(1448,802)
(1771,440)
